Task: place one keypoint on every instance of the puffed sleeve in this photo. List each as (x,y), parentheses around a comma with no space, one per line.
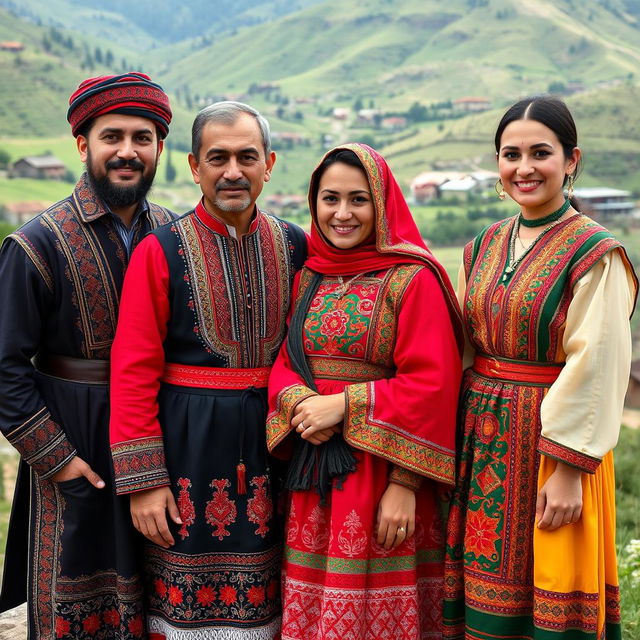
(581,413)
(137,364)
(409,419)
(26,290)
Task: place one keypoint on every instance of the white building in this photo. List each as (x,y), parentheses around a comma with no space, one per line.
(605,204)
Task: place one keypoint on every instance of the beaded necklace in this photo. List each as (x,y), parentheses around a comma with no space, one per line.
(511,263)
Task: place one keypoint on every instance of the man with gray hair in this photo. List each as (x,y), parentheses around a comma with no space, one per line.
(201,320)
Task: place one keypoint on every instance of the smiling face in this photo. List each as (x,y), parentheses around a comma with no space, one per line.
(344,206)
(231,169)
(533,166)
(121,154)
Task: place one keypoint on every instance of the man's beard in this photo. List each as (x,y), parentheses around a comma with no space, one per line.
(235,206)
(118,196)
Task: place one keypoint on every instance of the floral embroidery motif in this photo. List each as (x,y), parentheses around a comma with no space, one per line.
(340,326)
(260,507)
(186,508)
(315,534)
(482,534)
(220,511)
(352,540)
(292,525)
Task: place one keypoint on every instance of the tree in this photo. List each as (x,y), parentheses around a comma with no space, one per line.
(170,171)
(417,112)
(5,158)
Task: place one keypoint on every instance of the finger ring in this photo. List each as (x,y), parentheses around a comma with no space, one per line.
(400,530)
(301,426)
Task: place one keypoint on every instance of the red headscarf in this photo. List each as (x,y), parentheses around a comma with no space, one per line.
(397,239)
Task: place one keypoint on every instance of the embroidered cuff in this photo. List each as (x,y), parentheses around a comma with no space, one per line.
(42,444)
(573,458)
(279,420)
(363,431)
(139,465)
(406,478)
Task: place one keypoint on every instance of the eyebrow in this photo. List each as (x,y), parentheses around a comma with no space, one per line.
(350,192)
(221,150)
(538,145)
(117,130)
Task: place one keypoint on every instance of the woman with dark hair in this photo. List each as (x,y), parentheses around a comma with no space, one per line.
(546,298)
(363,399)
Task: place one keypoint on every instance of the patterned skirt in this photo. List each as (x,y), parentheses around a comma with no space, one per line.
(340,584)
(221,578)
(504,577)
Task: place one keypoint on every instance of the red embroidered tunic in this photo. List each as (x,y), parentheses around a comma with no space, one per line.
(388,343)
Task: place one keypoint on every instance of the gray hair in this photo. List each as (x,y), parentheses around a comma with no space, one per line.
(227,112)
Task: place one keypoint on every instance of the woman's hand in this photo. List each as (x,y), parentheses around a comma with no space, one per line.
(396,519)
(560,498)
(318,418)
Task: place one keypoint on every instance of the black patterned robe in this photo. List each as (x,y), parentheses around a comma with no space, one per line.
(60,280)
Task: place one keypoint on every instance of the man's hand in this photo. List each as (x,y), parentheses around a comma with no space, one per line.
(76,468)
(148,512)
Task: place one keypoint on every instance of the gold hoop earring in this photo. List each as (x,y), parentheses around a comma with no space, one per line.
(500,190)
(570,182)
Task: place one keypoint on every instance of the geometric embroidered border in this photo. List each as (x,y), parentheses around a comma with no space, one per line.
(139,464)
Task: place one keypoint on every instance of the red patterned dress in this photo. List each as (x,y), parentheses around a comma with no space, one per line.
(387,341)
(505,578)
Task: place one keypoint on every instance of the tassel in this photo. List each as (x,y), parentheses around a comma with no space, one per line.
(242,480)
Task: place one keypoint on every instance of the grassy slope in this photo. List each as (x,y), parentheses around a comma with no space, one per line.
(369,47)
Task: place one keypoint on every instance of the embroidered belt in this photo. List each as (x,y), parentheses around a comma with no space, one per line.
(335,368)
(73,369)
(519,371)
(215,377)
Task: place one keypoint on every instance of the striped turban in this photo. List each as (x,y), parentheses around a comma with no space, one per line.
(130,94)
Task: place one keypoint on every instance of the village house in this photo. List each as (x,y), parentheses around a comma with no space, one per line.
(431,185)
(288,139)
(44,167)
(367,116)
(605,204)
(17,213)
(393,123)
(14,47)
(471,104)
(341,113)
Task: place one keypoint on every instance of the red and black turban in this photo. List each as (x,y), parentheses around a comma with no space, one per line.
(131,94)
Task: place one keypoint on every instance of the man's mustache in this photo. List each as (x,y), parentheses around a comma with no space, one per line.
(236,184)
(121,163)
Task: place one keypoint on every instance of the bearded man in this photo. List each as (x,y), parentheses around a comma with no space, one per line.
(202,318)
(60,281)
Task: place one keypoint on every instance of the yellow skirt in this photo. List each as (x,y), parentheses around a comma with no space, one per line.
(575,569)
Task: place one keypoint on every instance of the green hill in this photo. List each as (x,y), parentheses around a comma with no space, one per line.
(387,54)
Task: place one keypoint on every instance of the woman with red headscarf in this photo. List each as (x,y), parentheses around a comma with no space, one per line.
(363,400)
